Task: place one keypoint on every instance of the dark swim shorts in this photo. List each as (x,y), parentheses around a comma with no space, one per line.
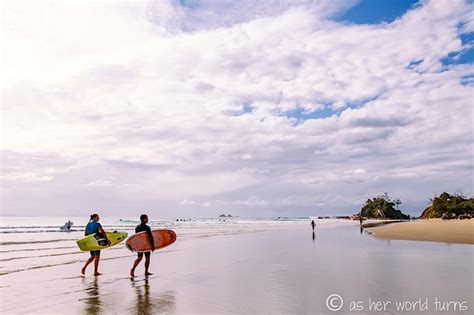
(140,254)
(95,252)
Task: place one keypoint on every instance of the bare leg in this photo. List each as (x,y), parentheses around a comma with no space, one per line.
(135,264)
(147,265)
(83,271)
(96,266)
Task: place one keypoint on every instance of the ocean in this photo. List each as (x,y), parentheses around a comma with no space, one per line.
(38,242)
(236,266)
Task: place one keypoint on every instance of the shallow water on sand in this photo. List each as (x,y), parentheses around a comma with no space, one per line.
(284,270)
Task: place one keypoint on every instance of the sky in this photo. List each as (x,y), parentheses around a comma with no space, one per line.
(253,108)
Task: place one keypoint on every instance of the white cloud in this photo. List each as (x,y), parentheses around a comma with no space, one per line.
(186,202)
(102,182)
(26,177)
(357,171)
(154,96)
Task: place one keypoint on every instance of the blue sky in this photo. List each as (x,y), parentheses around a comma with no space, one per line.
(254,108)
(466,56)
(376,11)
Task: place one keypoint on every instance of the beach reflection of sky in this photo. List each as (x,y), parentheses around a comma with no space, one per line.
(151,303)
(284,272)
(277,271)
(280,272)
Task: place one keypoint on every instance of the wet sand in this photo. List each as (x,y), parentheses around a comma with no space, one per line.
(434,230)
(284,271)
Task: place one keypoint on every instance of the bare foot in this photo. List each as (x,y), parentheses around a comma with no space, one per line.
(132,273)
(83,271)
(148,273)
(96,274)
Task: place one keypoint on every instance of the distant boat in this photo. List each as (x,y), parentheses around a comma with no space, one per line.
(67,226)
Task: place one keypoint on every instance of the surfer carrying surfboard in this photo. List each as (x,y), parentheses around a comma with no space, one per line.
(94,227)
(143,227)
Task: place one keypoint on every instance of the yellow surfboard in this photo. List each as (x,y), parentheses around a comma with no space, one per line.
(95,242)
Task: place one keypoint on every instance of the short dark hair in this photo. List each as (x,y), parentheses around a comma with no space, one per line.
(95,215)
(143,217)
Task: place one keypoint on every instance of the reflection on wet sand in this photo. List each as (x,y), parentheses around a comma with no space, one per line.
(164,302)
(314,236)
(93,303)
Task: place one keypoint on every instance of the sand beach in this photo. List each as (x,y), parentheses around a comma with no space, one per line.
(434,230)
(241,268)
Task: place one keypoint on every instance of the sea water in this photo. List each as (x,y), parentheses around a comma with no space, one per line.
(38,242)
(220,266)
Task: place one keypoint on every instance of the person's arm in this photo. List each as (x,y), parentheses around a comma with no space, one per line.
(104,234)
(150,237)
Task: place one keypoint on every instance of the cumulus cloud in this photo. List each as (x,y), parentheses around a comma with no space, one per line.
(186,202)
(101,182)
(357,171)
(276,107)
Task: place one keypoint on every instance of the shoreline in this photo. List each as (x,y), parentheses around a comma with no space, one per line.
(378,223)
(278,270)
(433,230)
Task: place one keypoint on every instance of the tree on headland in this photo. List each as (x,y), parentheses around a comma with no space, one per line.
(446,204)
(382,207)
(397,203)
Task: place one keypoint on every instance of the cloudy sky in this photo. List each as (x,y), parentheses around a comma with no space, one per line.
(255,108)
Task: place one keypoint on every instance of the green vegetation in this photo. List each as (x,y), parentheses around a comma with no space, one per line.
(382,207)
(446,204)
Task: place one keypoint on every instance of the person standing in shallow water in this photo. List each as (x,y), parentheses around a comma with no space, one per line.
(94,227)
(313,225)
(143,227)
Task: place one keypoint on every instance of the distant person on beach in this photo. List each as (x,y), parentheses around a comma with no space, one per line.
(313,225)
(143,227)
(94,227)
